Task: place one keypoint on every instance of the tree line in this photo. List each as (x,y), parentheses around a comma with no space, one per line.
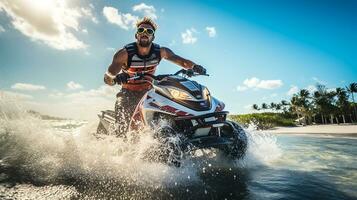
(322,106)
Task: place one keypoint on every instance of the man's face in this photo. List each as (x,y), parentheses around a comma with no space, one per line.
(144,39)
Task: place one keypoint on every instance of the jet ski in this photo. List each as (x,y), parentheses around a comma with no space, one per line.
(191,114)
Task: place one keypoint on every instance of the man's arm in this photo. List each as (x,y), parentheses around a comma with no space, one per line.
(171,56)
(119,60)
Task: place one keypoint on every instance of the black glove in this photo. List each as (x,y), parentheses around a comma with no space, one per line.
(189,72)
(199,69)
(121,78)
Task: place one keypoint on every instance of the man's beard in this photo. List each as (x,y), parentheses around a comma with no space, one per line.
(143,43)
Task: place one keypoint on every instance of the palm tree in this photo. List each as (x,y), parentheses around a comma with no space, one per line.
(352,88)
(342,102)
(255,107)
(301,105)
(323,101)
(272,106)
(284,104)
(319,103)
(264,106)
(297,106)
(304,97)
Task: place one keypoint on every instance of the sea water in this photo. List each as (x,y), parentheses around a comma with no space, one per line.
(63,159)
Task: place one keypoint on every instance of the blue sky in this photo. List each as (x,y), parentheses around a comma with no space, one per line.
(53,55)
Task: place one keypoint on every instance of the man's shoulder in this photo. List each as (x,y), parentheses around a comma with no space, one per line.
(121,54)
(165,51)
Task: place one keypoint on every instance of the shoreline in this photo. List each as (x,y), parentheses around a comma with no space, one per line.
(329,129)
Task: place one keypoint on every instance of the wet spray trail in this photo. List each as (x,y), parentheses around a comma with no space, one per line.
(62,159)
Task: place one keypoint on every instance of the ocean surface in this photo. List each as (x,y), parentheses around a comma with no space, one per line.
(62,159)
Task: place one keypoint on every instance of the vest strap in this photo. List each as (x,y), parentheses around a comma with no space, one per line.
(132,49)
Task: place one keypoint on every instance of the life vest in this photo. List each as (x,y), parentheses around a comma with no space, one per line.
(142,64)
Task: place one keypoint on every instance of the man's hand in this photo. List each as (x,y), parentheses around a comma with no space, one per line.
(121,78)
(199,69)
(109,80)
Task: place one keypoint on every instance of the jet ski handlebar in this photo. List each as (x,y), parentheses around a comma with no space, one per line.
(184,72)
(189,73)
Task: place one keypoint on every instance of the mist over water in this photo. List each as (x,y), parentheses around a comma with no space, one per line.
(62,159)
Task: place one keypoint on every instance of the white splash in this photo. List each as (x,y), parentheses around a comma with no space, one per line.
(50,150)
(45,153)
(263,148)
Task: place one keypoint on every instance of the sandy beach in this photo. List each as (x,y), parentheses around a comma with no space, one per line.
(333,129)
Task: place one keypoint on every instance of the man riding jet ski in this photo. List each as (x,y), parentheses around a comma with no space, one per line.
(187,107)
(141,56)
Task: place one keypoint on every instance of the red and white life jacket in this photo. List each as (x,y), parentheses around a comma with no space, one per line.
(142,64)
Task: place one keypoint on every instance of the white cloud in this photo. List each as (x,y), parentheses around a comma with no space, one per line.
(252,82)
(85,104)
(124,21)
(211,31)
(270,84)
(27,87)
(50,22)
(256,83)
(85,31)
(102,91)
(147,10)
(241,88)
(56,95)
(128,20)
(76,105)
(88,12)
(14,96)
(73,86)
(2,29)
(293,90)
(188,36)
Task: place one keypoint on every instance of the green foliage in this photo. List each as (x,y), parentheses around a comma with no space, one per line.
(264,120)
(320,106)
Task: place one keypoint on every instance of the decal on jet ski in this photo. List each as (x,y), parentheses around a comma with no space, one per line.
(170,109)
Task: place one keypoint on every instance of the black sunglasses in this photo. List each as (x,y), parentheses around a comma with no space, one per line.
(141,30)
